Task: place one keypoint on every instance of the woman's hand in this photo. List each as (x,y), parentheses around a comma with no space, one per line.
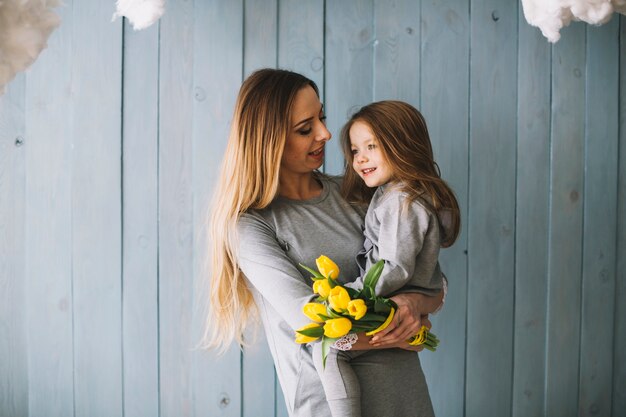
(412,313)
(363,342)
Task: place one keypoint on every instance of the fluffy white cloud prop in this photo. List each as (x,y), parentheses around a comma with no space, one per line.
(552,15)
(25,26)
(141,13)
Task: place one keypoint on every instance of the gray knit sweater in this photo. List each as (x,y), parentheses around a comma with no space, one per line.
(408,237)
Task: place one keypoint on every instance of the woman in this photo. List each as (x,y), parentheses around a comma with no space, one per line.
(273,210)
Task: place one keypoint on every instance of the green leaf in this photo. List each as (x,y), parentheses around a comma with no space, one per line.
(381,305)
(360,329)
(367,323)
(316,275)
(354,294)
(326,344)
(367,293)
(371,278)
(379,318)
(312,331)
(333,314)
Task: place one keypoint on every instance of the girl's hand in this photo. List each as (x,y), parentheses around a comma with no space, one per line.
(412,313)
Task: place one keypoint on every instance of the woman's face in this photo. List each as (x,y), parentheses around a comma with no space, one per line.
(304,148)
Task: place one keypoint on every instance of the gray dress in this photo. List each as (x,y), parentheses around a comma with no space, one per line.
(272,242)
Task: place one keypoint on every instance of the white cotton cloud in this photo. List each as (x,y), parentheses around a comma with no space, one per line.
(25,26)
(552,15)
(140,13)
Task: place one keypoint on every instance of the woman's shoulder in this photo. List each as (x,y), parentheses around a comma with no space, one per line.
(251,223)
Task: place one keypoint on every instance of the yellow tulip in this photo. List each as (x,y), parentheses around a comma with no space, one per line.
(357,308)
(327,267)
(321,287)
(338,298)
(312,311)
(337,327)
(300,338)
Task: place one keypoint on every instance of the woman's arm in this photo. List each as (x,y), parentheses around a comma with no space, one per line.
(364,342)
(271,272)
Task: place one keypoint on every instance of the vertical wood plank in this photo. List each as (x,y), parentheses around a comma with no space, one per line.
(281,407)
(445,105)
(600,220)
(533,201)
(619,344)
(491,223)
(216,381)
(301,46)
(259,381)
(566,232)
(176,208)
(260,35)
(397,50)
(349,58)
(48,241)
(96,210)
(140,217)
(13,342)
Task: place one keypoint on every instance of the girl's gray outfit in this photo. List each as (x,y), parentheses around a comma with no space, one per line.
(272,242)
(407,235)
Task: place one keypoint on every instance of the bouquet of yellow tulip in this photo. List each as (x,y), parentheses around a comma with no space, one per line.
(339,310)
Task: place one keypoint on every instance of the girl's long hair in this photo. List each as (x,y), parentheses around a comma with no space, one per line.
(248,179)
(402,136)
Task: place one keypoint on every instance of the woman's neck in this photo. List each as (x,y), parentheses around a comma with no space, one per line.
(299,187)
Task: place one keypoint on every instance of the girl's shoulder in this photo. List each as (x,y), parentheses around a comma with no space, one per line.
(393,197)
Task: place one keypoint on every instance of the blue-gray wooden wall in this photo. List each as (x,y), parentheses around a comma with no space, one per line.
(109,147)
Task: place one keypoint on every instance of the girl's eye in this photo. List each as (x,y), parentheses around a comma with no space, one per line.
(371,146)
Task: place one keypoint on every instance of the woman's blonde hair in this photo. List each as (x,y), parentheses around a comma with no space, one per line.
(248,179)
(402,136)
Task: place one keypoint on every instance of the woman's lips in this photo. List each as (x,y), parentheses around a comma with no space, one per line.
(318,154)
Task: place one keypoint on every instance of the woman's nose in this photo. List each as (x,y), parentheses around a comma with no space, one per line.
(324,134)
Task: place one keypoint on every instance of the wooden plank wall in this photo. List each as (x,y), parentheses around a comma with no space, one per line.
(109,148)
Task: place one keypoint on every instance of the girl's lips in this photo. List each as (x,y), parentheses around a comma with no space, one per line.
(368,171)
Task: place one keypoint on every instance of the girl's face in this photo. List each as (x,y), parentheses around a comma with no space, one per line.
(304,148)
(367,158)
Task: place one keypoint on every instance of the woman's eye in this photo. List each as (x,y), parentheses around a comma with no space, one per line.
(305,132)
(354,151)
(323,119)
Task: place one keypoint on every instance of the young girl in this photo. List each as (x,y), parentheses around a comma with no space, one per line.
(412,213)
